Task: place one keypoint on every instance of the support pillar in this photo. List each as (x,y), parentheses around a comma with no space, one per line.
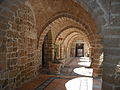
(96,61)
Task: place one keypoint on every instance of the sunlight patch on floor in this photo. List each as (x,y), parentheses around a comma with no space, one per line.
(84,59)
(85,64)
(81,83)
(85,82)
(84,71)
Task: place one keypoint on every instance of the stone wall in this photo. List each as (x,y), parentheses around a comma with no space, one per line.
(111,65)
(18,49)
(107,13)
(21,43)
(48,50)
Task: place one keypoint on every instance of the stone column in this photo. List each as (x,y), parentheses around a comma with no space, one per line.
(96,62)
(90,53)
(111,63)
(53,52)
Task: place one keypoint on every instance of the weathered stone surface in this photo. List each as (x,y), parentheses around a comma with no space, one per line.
(2,57)
(13,73)
(3,66)
(4,83)
(115,8)
(117,88)
(18,45)
(19,38)
(106,86)
(115,21)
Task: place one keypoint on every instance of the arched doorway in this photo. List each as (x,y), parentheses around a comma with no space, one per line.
(47,50)
(79,50)
(67,21)
(111,33)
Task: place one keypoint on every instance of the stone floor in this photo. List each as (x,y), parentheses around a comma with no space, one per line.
(76,75)
(77,67)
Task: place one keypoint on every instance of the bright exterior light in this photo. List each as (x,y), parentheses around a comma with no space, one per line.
(84,59)
(84,71)
(85,64)
(82,83)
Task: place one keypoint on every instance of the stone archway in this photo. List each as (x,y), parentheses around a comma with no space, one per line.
(99,10)
(67,21)
(47,50)
(77,39)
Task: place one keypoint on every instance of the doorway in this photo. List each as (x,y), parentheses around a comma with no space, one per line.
(79,50)
(47,50)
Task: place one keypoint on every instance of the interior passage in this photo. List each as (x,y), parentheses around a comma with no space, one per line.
(68,79)
(60,44)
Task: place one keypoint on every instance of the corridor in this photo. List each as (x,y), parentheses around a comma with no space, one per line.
(40,38)
(77,66)
(75,75)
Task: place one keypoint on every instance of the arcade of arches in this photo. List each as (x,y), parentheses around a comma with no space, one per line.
(34,34)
